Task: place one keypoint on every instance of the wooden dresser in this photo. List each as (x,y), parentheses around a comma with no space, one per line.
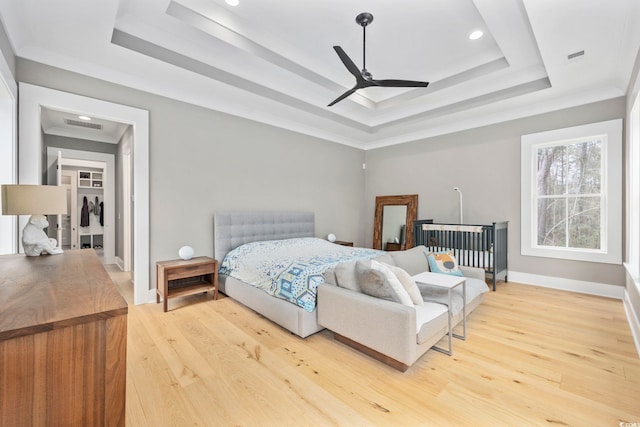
(63,342)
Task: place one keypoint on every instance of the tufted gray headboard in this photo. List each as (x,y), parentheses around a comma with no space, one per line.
(232,229)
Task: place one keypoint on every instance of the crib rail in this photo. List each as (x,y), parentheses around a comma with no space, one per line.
(482,246)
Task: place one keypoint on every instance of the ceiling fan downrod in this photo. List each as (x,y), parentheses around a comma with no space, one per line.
(364,19)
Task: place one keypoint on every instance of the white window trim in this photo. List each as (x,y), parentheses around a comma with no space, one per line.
(612,217)
(633,168)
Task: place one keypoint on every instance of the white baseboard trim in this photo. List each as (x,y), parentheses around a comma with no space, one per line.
(120,263)
(148,298)
(152,296)
(632,318)
(591,288)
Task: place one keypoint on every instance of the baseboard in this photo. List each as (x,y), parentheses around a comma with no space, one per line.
(580,286)
(120,263)
(632,318)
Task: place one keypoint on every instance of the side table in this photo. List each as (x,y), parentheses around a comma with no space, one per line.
(178,278)
(343,243)
(448,282)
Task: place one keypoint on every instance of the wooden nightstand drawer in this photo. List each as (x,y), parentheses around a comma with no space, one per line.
(175,273)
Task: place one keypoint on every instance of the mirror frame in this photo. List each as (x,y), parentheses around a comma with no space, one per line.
(408,200)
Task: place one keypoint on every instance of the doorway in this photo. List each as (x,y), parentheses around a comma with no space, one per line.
(33,99)
(68,224)
(8,152)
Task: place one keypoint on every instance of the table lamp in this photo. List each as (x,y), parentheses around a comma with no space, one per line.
(37,201)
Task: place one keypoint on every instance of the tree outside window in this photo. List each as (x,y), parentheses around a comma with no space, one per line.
(569,194)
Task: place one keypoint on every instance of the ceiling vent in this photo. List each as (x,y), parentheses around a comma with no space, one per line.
(96,126)
(575,56)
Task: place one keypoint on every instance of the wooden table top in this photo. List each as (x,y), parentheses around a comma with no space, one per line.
(41,293)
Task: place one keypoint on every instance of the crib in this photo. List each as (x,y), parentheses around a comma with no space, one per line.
(482,246)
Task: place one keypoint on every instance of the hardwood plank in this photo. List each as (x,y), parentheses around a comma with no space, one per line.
(534,356)
(115,370)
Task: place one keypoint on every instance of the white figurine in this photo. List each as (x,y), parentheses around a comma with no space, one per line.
(34,239)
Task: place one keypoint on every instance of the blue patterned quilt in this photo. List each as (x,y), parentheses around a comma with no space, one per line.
(290,269)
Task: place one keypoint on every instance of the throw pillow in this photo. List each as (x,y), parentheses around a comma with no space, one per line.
(346,276)
(443,262)
(408,283)
(377,280)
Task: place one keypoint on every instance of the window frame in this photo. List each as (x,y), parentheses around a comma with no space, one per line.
(633,256)
(611,210)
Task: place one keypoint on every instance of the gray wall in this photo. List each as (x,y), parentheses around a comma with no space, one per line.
(485,164)
(202,161)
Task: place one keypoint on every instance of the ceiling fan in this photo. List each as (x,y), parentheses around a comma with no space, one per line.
(364,77)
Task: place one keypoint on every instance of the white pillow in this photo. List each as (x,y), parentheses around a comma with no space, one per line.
(408,283)
(376,279)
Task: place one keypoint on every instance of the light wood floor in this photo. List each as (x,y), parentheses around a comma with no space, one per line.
(534,356)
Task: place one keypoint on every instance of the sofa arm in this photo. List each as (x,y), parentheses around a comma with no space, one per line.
(384,326)
(475,272)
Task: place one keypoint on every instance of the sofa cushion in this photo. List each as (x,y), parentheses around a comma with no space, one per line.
(345,275)
(377,280)
(430,319)
(386,258)
(436,294)
(443,262)
(413,260)
(408,283)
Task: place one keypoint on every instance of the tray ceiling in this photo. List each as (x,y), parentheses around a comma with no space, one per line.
(273,62)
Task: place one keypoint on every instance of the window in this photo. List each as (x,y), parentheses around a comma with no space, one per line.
(572,193)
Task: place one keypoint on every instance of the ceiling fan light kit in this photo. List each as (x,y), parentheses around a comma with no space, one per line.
(363,77)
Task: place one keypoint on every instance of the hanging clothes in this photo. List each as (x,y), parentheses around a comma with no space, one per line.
(96,208)
(102,214)
(84,213)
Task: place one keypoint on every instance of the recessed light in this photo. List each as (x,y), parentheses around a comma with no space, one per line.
(85,118)
(475,35)
(233,2)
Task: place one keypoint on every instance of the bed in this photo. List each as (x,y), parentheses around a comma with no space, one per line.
(244,240)
(483,246)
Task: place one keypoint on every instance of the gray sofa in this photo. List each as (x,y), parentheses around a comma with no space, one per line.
(391,332)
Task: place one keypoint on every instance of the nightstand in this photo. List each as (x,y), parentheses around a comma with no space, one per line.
(178,278)
(343,243)
(390,246)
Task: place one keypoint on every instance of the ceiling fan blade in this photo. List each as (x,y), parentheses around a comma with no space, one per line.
(399,83)
(344,95)
(353,69)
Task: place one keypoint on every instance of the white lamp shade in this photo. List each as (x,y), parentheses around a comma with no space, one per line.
(186,252)
(34,200)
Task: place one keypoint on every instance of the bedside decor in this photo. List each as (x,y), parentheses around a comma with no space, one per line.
(35,200)
(331,237)
(186,252)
